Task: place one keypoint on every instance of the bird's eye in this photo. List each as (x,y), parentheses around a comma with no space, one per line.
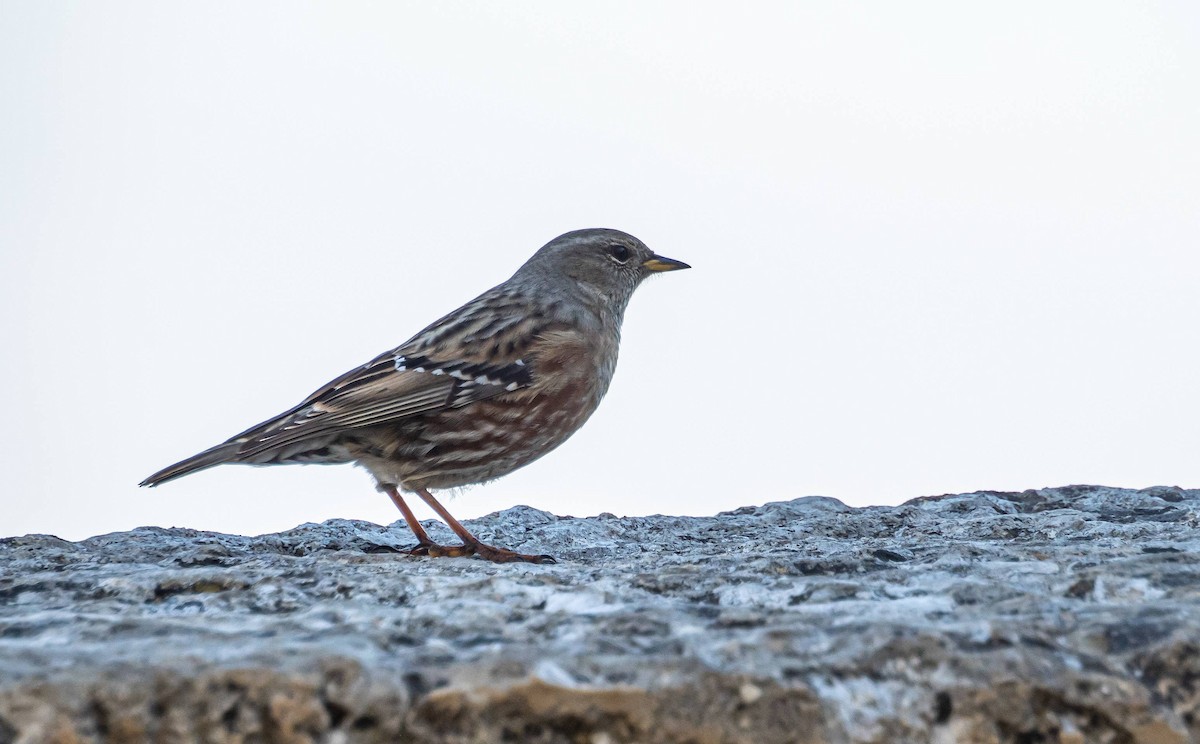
(619,252)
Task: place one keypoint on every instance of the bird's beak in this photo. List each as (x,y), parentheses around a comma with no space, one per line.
(661,263)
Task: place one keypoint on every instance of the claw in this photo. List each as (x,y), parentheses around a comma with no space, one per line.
(503,555)
(486,552)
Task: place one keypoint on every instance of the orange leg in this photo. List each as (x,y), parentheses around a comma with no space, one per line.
(425,546)
(471,544)
(487,552)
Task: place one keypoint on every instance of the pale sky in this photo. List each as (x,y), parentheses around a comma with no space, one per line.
(938,247)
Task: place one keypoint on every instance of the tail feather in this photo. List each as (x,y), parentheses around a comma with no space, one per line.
(222,453)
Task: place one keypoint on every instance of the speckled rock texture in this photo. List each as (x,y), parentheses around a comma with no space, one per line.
(1065,615)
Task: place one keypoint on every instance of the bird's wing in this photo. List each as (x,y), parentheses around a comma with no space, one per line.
(472,354)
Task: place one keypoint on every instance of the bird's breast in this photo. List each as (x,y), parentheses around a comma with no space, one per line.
(495,436)
(573,358)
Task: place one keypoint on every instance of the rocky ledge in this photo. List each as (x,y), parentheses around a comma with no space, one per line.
(1064,615)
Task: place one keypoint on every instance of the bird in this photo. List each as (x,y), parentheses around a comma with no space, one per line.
(477,394)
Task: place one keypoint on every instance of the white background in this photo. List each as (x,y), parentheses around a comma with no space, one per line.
(938,247)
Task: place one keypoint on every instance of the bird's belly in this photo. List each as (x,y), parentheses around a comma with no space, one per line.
(485,440)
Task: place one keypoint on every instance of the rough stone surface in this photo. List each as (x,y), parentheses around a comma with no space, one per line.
(1064,615)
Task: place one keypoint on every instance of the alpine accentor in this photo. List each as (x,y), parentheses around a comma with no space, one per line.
(487,389)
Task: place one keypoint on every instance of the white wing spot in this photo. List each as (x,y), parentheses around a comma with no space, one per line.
(401,364)
(482,380)
(511,386)
(520,362)
(438,372)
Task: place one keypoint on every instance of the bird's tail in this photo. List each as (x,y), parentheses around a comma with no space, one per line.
(222,453)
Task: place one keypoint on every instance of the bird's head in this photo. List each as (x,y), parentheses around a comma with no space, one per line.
(598,262)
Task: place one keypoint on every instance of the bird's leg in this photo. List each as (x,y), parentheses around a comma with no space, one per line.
(425,546)
(472,543)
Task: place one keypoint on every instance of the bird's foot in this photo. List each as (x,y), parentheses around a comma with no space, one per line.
(433,550)
(504,555)
(484,551)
